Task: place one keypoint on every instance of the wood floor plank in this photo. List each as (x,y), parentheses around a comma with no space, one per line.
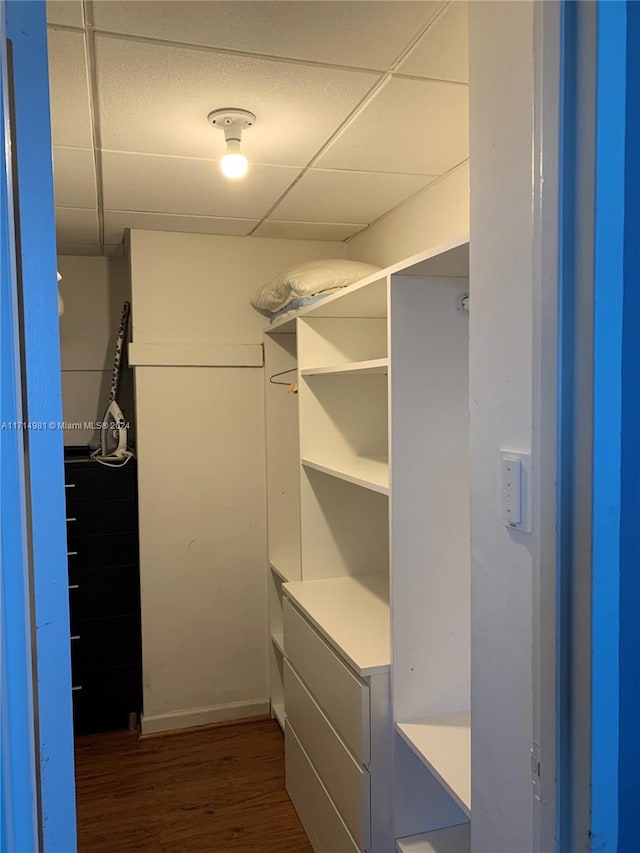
(219,790)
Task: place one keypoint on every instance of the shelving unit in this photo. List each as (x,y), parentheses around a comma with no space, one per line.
(382,465)
(453,839)
(277,709)
(283,497)
(278,642)
(375,366)
(369,473)
(443,743)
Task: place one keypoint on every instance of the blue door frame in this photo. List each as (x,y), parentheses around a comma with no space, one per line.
(604,278)
(38,797)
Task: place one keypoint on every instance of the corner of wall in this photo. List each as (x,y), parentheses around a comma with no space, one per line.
(437,214)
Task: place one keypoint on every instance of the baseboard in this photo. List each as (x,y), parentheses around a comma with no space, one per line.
(190,718)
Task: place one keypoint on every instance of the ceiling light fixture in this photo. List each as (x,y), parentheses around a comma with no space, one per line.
(232,121)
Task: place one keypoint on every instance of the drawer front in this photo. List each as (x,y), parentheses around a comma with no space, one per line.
(91,481)
(318,815)
(101,517)
(100,593)
(343,697)
(101,643)
(346,781)
(99,551)
(103,699)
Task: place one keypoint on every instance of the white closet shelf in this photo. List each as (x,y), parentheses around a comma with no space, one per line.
(352,614)
(277,640)
(451,839)
(278,713)
(372,366)
(370,473)
(443,744)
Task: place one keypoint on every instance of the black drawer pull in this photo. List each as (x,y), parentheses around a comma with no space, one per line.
(69,520)
(74,586)
(72,553)
(69,485)
(75,637)
(79,687)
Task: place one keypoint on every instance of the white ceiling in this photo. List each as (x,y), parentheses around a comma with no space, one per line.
(360,104)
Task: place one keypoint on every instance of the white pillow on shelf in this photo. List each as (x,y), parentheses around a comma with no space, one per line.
(307,279)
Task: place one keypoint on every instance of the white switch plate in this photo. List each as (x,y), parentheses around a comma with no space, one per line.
(515,490)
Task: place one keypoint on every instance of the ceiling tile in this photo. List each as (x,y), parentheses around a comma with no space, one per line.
(307,230)
(77,226)
(115,222)
(189,187)
(69,85)
(156,98)
(443,52)
(363,34)
(411,126)
(74,175)
(66,12)
(351,197)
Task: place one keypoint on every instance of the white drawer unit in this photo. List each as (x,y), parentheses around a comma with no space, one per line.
(343,697)
(346,781)
(338,705)
(322,823)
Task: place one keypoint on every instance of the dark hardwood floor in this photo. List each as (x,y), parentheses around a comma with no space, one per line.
(217,790)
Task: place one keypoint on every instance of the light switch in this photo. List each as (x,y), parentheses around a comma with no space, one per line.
(511,489)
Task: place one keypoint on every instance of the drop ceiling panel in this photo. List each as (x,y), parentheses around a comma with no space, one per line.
(155,98)
(443,52)
(189,187)
(66,12)
(69,88)
(74,176)
(307,230)
(350,197)
(115,222)
(411,126)
(77,226)
(362,34)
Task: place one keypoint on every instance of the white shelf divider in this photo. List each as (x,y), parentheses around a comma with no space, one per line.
(369,473)
(352,614)
(443,744)
(372,366)
(280,571)
(278,713)
(451,839)
(278,642)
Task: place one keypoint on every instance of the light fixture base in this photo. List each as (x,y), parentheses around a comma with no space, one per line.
(230,116)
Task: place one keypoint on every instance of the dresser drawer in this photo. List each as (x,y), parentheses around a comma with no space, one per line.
(318,815)
(87,480)
(103,699)
(101,550)
(346,781)
(101,643)
(99,593)
(343,697)
(85,517)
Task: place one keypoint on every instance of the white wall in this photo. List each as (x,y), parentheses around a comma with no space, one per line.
(501,363)
(439,213)
(93,290)
(201,464)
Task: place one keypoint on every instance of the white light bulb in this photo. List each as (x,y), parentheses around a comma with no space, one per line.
(234,165)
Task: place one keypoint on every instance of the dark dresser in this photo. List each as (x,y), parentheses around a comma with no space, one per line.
(104,592)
